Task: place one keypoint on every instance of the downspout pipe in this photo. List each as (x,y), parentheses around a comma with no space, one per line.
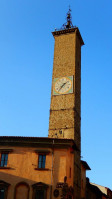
(52,170)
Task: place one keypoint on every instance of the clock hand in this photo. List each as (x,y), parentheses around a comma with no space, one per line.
(62,86)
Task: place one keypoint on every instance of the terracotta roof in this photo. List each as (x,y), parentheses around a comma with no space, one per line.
(86,166)
(96,190)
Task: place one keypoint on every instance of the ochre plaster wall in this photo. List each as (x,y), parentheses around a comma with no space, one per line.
(24,160)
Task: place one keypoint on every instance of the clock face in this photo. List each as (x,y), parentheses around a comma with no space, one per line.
(63,85)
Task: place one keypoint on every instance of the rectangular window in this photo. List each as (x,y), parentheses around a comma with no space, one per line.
(41,161)
(4,159)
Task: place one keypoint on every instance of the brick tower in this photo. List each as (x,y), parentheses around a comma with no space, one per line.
(65,108)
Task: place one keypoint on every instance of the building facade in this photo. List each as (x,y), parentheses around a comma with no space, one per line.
(32,168)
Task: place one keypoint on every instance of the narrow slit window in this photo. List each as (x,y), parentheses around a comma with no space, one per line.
(70,173)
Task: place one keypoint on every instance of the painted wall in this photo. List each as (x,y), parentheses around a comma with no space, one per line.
(23,167)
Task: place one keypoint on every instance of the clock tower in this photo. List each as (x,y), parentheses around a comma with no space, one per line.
(65,109)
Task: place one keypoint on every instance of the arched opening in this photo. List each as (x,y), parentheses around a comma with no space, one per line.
(22,191)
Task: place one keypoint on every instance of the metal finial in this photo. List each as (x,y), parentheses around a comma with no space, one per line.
(69,19)
(68,24)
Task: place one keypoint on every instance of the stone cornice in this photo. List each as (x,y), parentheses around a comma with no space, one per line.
(69,30)
(36,142)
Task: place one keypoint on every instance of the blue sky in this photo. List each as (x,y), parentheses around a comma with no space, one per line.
(26,61)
